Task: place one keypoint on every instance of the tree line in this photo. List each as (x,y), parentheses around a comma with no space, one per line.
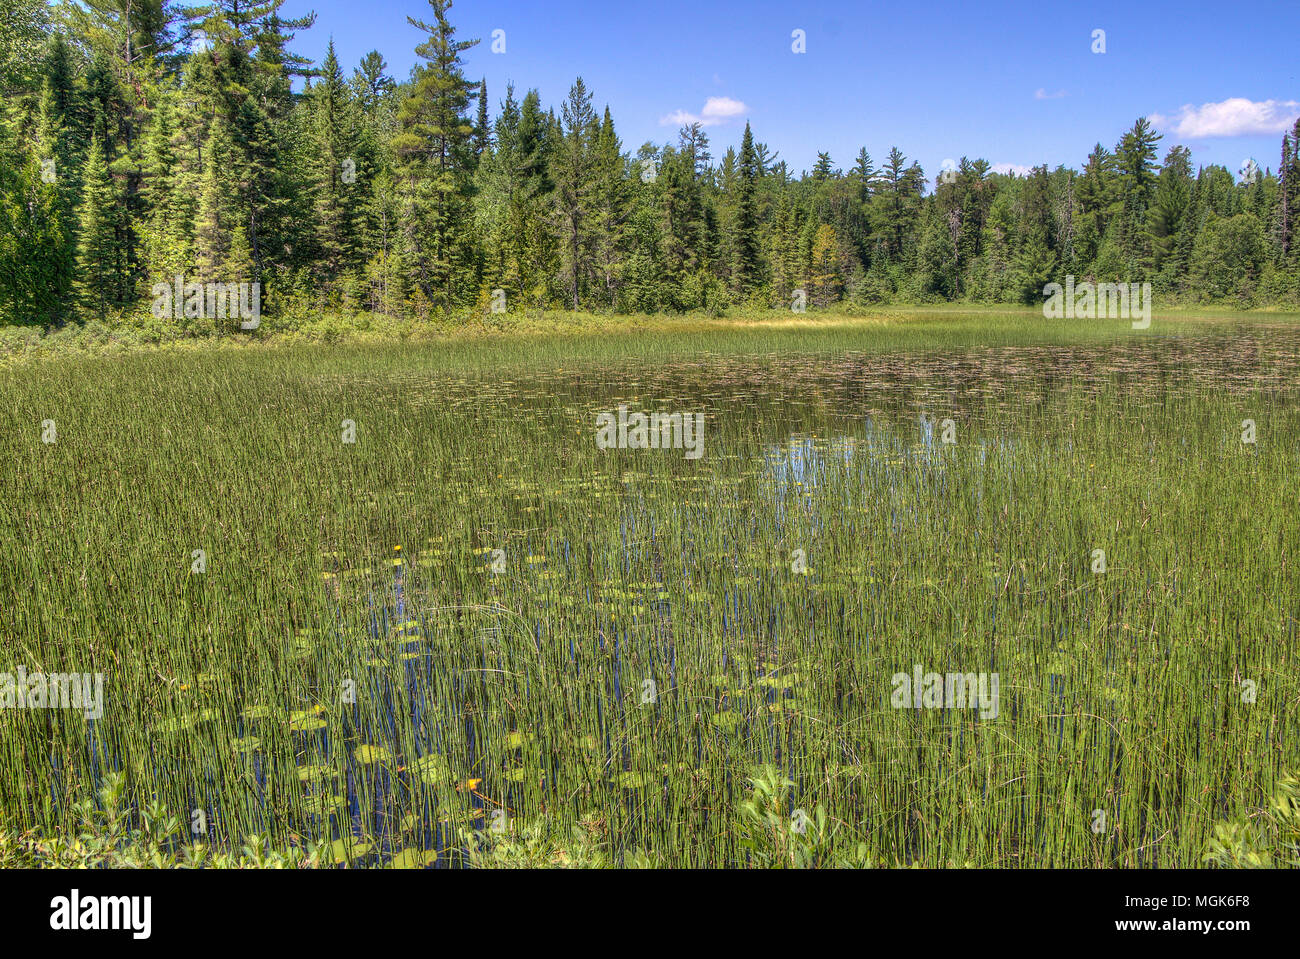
(142,140)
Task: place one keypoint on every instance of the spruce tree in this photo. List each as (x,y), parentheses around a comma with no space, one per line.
(482,129)
(747,267)
(573,169)
(331,141)
(99,256)
(218,209)
(613,194)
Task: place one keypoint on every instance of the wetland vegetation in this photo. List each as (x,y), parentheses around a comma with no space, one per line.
(433,622)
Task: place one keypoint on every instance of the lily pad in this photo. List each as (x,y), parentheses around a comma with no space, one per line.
(349,849)
(372,754)
(432,769)
(323,805)
(414,859)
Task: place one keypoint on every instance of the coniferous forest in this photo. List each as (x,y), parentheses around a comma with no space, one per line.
(145,139)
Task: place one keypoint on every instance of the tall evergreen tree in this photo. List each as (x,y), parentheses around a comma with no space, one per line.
(610,208)
(435,148)
(332,156)
(100,265)
(575,182)
(747,268)
(483,128)
(1135,161)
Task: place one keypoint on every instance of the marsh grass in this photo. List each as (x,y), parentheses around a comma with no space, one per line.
(510,710)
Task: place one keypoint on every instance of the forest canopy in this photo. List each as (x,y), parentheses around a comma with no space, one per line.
(142,140)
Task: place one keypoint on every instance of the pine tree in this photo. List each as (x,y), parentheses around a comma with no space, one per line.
(747,267)
(682,224)
(693,142)
(864,172)
(783,251)
(219,211)
(826,278)
(610,207)
(1168,220)
(59,133)
(531,246)
(99,276)
(1099,203)
(437,161)
(331,144)
(1135,160)
(36,265)
(574,172)
(894,205)
(483,128)
(1289,197)
(167,188)
(371,83)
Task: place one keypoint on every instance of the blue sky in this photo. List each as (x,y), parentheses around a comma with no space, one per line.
(1014,82)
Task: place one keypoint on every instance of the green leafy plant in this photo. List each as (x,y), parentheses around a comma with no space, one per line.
(777,838)
(1270,840)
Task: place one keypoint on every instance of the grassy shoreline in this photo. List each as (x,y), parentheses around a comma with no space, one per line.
(761,331)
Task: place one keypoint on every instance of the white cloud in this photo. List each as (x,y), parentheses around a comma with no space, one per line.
(1042,94)
(716,110)
(1015,169)
(678,118)
(1233,117)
